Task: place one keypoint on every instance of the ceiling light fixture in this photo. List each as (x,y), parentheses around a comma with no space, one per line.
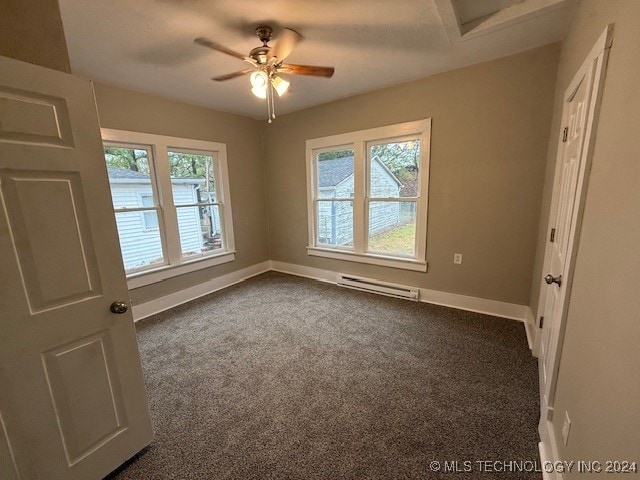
(280,84)
(264,83)
(268,62)
(259,79)
(259,83)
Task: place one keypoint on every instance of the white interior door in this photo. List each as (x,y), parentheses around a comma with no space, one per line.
(564,205)
(581,102)
(72,398)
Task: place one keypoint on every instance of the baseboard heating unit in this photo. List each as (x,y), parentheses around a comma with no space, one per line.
(376,286)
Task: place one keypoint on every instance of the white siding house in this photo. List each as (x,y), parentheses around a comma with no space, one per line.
(139,231)
(335,219)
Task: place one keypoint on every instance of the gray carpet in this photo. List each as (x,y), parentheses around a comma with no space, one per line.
(283,377)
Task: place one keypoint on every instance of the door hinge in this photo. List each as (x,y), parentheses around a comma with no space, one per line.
(552,238)
(541,321)
(564,134)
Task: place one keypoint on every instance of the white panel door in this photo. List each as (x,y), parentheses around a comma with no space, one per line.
(72,398)
(563,223)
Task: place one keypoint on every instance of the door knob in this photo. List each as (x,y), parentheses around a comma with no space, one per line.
(118,307)
(551,279)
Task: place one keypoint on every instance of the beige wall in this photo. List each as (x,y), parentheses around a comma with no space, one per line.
(127,110)
(31,31)
(598,382)
(489,145)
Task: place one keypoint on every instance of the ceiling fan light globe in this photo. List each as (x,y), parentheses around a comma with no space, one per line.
(281,85)
(259,79)
(260,92)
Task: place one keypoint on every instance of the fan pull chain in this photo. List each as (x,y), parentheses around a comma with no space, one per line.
(271,109)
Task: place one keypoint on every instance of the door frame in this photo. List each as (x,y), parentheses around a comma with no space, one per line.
(593,66)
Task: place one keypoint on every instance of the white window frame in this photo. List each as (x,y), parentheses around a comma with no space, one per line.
(358,141)
(159,146)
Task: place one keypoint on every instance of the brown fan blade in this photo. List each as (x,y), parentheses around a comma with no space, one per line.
(229,76)
(205,42)
(306,70)
(284,44)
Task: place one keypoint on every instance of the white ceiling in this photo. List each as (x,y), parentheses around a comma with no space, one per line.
(147,45)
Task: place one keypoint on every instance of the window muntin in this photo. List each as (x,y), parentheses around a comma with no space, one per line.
(385,189)
(177,191)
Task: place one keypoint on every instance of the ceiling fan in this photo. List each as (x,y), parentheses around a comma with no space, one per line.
(267,63)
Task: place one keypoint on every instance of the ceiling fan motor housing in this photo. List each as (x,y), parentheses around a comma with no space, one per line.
(264,33)
(260,54)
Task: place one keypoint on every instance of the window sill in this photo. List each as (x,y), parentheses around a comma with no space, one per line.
(148,277)
(380,260)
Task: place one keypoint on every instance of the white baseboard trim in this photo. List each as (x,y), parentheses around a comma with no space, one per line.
(530,328)
(511,311)
(328,276)
(474,304)
(454,300)
(161,304)
(548,449)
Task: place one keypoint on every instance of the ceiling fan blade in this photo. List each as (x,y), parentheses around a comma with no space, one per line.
(306,70)
(205,42)
(229,76)
(284,44)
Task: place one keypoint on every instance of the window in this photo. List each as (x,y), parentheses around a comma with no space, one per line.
(150,218)
(367,195)
(171,202)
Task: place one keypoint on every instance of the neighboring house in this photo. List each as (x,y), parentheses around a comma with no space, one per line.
(335,219)
(139,231)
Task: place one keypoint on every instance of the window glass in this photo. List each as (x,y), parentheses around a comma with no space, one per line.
(394,169)
(141,248)
(335,174)
(200,230)
(129,175)
(193,183)
(132,192)
(392,228)
(192,178)
(150,218)
(335,223)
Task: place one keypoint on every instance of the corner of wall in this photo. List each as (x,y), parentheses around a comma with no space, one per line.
(547,187)
(263,152)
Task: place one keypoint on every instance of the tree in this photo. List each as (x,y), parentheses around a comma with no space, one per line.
(399,157)
(181,165)
(127,158)
(332,155)
(188,165)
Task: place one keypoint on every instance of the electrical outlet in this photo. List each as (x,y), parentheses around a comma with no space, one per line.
(566,428)
(457,258)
